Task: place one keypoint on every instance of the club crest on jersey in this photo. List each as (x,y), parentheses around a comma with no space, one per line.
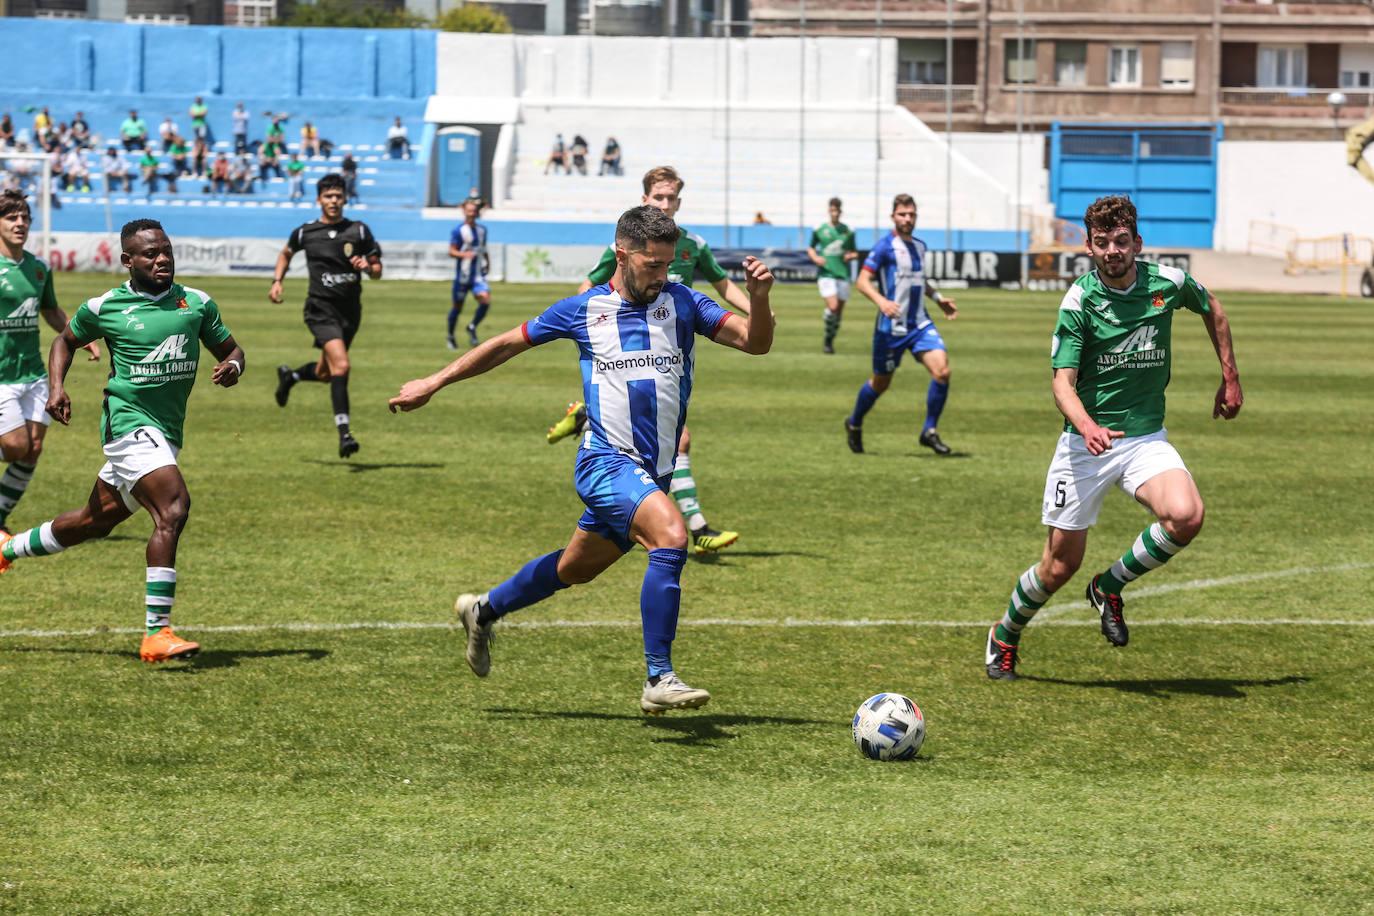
(348,249)
(333,232)
(181,303)
(686,256)
(1158,301)
(661,313)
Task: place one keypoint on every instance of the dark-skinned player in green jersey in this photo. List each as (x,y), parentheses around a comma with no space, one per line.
(154,329)
(1110,361)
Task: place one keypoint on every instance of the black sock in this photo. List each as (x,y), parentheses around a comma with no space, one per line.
(338,395)
(305,373)
(654,679)
(485,614)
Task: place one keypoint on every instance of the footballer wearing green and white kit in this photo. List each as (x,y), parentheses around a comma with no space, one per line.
(1110,358)
(832,248)
(663,189)
(26,293)
(154,328)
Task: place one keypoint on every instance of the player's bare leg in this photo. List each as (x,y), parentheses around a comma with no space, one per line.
(334,366)
(20,448)
(163,493)
(1062,556)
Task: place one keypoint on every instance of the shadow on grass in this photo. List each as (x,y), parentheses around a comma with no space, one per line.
(205,659)
(723,558)
(683,726)
(931,455)
(1231,688)
(358,467)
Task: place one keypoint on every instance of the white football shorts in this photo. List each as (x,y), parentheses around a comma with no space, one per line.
(1078,481)
(833,286)
(134,456)
(24,402)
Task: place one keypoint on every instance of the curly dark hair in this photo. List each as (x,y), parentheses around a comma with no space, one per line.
(1107,213)
(639,226)
(12,201)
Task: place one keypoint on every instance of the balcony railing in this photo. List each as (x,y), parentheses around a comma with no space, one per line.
(1299,101)
(927,93)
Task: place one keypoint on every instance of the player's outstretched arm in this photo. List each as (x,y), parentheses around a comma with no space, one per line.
(483,358)
(755,333)
(1098,439)
(230,365)
(57,320)
(59,361)
(278,272)
(1229,396)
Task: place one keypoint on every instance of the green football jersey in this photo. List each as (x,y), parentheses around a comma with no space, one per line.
(25,287)
(1119,340)
(692,254)
(154,347)
(831,242)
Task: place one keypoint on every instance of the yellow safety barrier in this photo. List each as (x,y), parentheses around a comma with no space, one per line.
(1330,252)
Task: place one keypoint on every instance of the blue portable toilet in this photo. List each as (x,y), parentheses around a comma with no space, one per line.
(459,154)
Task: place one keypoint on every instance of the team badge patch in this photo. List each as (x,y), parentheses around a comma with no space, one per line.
(1158,301)
(661,313)
(181,304)
(348,249)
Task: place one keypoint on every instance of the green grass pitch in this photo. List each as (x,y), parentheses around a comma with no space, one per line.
(330,752)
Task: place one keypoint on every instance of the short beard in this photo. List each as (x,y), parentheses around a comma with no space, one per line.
(638,294)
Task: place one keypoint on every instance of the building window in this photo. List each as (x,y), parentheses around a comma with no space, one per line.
(921,61)
(1070,63)
(1176,65)
(1020,62)
(1282,67)
(59,14)
(252,12)
(158,19)
(1355,79)
(1123,66)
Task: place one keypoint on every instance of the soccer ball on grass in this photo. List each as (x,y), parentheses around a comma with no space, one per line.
(889,727)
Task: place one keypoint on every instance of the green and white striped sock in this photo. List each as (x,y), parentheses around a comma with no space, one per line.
(36,542)
(13,483)
(1028,597)
(161,593)
(832,325)
(1151,550)
(684,491)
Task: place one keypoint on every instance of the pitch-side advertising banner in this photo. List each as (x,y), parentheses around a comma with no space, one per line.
(208,257)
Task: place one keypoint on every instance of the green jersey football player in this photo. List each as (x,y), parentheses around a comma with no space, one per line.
(832,248)
(154,328)
(1110,360)
(26,293)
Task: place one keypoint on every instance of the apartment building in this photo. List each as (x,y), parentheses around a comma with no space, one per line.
(1265,70)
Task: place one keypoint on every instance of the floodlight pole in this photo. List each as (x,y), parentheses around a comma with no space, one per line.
(801,133)
(949,125)
(877,119)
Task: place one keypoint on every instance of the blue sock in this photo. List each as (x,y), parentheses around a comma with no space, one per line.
(536,580)
(867,398)
(659,600)
(453,318)
(935,402)
(481,313)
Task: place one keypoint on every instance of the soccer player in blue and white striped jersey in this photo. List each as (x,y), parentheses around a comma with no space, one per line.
(897,264)
(636,342)
(468,246)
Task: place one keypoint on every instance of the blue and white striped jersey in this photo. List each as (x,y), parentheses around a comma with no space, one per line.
(899,267)
(469,238)
(636,365)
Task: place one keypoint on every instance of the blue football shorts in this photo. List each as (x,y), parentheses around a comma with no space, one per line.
(612,485)
(888,348)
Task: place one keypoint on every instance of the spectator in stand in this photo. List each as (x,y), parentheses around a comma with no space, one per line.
(200,156)
(558,156)
(349,170)
(115,170)
(579,154)
(310,140)
(295,174)
(275,132)
(176,148)
(200,127)
(241,173)
(6,131)
(57,161)
(397,142)
(42,122)
(148,167)
(219,174)
(167,130)
(80,131)
(269,157)
(48,138)
(133,131)
(610,158)
(240,116)
(78,177)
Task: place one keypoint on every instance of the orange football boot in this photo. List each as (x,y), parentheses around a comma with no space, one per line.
(5,538)
(164,645)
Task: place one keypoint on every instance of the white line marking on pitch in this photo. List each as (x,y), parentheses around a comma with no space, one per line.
(1149,591)
(1045,616)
